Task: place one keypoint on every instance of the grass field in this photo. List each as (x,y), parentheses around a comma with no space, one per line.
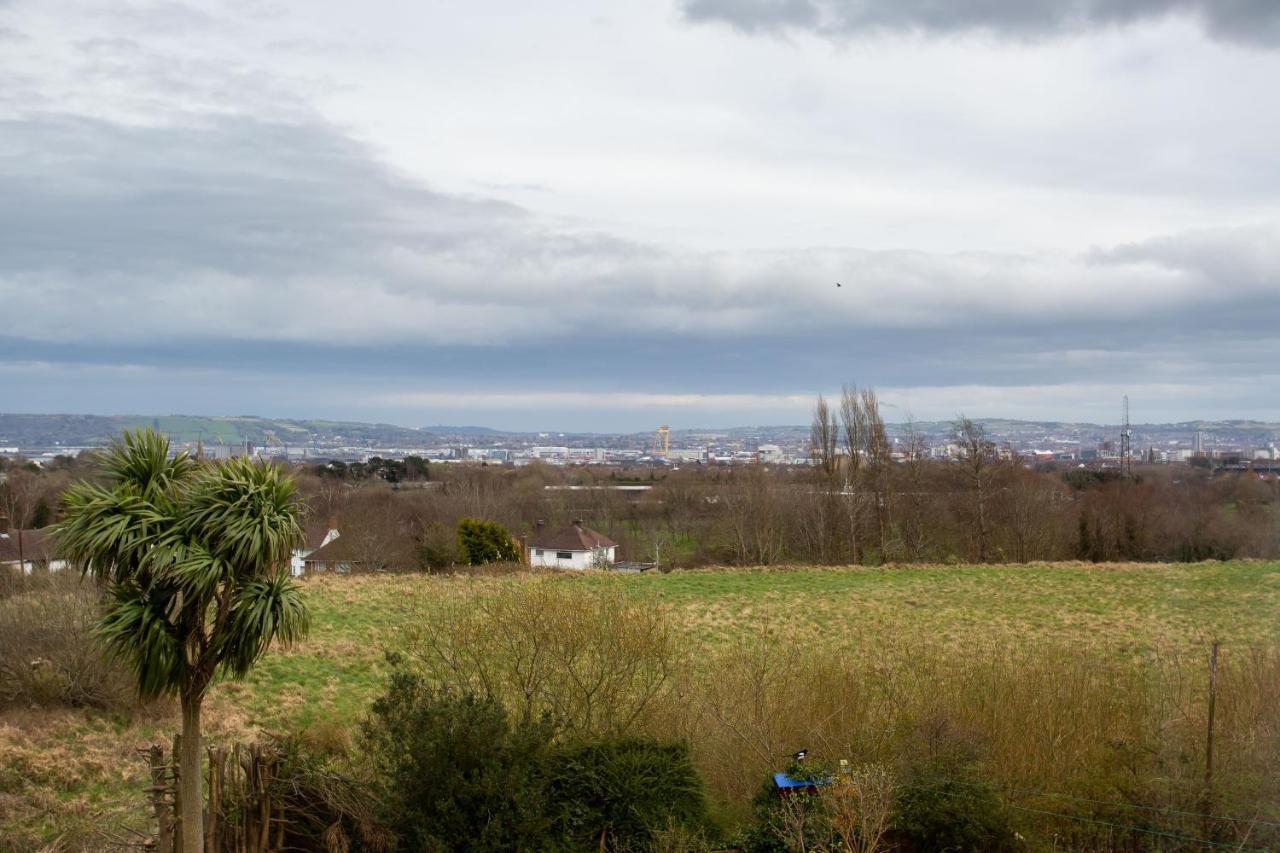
(72,771)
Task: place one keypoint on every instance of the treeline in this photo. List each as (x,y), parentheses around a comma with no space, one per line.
(863,501)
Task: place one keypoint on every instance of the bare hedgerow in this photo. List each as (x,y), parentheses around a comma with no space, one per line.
(859,804)
(49,654)
(598,660)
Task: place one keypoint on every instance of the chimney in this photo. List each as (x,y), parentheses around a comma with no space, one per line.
(539,523)
(333,523)
(4,525)
(577,522)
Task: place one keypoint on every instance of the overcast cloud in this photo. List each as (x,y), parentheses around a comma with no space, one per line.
(525,220)
(1254,22)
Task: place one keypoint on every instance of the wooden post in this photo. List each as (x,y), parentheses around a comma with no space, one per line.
(159,803)
(264,800)
(213,817)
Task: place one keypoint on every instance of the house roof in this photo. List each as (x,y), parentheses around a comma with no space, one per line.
(315,532)
(340,550)
(396,552)
(35,545)
(575,537)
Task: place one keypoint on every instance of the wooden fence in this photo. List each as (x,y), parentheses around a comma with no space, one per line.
(245,814)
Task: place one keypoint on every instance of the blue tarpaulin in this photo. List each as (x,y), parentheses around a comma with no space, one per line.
(784,782)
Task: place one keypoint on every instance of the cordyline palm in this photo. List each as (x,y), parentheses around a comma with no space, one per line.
(196,557)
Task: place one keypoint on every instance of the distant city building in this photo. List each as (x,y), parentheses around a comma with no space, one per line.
(770,454)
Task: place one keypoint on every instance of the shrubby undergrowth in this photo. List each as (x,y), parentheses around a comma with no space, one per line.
(49,652)
(1099,746)
(457,774)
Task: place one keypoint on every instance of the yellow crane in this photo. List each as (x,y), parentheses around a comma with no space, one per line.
(662,441)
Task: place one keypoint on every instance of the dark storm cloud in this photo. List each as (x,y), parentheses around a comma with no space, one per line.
(1254,22)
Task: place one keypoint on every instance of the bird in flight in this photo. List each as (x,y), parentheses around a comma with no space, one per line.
(838,284)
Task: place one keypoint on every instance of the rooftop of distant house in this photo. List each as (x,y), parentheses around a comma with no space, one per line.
(575,537)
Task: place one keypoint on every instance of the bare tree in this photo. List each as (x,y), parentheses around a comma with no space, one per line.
(19,495)
(979,469)
(824,439)
(877,468)
(754,510)
(868,474)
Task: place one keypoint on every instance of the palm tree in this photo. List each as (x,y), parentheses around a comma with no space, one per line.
(196,559)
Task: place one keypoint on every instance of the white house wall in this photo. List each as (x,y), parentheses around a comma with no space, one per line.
(546,557)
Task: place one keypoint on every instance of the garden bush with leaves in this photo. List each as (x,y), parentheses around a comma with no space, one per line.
(455,772)
(481,542)
(618,792)
(943,809)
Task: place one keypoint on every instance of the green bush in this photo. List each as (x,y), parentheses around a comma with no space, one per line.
(952,812)
(786,821)
(619,792)
(455,773)
(481,542)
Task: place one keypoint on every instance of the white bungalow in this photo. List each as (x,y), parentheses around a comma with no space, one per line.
(316,537)
(572,547)
(27,551)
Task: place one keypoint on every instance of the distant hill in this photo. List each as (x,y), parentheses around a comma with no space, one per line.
(97,430)
(461,430)
(52,431)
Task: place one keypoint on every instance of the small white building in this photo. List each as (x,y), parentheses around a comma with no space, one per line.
(572,547)
(27,551)
(316,537)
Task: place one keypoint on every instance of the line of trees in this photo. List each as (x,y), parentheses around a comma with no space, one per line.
(866,499)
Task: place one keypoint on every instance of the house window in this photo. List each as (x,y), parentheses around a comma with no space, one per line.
(537,552)
(564,555)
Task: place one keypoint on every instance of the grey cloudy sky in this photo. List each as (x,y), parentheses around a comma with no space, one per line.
(610,216)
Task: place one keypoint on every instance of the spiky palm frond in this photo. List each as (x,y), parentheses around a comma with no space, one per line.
(248,514)
(137,629)
(197,556)
(110,532)
(140,460)
(264,610)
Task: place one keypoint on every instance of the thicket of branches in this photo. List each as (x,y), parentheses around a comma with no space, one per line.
(857,506)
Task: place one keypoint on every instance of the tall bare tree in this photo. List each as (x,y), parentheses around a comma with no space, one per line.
(979,470)
(824,439)
(19,494)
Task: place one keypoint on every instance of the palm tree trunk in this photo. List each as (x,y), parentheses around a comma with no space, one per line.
(189,777)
